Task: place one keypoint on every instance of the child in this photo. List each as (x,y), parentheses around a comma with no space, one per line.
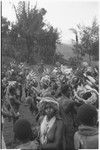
(87,135)
(23,133)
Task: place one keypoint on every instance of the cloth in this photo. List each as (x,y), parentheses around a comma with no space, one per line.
(86,138)
(45,79)
(29,145)
(87,130)
(45,128)
(42,104)
(49,100)
(91,79)
(45,92)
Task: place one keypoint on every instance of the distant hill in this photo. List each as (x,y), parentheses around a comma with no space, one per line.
(66,50)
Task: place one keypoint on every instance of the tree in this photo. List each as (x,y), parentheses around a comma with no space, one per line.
(46,44)
(74,62)
(24,32)
(88,40)
(5,27)
(33,39)
(76,48)
(7,48)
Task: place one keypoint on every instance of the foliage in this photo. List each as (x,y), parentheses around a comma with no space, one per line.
(60,58)
(87,40)
(74,62)
(30,38)
(46,44)
(6,47)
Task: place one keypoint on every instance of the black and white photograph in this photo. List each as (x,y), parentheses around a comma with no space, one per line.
(49,74)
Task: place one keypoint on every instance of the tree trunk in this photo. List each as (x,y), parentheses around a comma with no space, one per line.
(29,48)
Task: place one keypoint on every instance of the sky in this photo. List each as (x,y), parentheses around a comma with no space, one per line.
(61,14)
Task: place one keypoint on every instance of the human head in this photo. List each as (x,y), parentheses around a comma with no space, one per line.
(45,82)
(22,130)
(58,64)
(48,106)
(65,90)
(85,64)
(87,115)
(29,100)
(12,90)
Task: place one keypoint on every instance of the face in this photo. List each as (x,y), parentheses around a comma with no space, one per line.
(49,111)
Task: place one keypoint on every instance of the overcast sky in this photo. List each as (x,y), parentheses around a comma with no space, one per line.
(62,14)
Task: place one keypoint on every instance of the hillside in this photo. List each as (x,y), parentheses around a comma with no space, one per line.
(66,50)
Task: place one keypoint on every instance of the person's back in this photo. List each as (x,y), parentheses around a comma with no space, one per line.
(87,135)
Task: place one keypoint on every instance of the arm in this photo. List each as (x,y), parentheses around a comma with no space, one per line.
(58,138)
(36,90)
(76,141)
(5,113)
(17,101)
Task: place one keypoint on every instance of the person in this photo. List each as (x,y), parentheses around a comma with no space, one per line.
(68,114)
(87,95)
(23,133)
(31,103)
(51,126)
(41,67)
(19,91)
(45,87)
(87,135)
(5,114)
(11,96)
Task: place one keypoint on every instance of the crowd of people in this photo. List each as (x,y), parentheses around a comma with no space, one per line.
(64,102)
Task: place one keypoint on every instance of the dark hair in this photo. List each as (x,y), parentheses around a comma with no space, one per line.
(86,114)
(22,130)
(45,86)
(12,90)
(89,73)
(65,89)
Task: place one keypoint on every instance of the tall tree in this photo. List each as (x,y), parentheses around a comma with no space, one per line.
(88,40)
(47,41)
(29,24)
(31,36)
(7,48)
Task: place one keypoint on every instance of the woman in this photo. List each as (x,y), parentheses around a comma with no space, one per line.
(51,127)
